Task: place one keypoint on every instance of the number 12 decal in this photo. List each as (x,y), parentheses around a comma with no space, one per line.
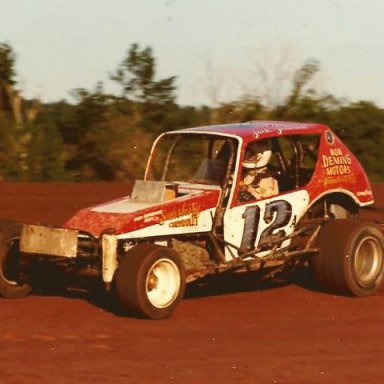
(277,214)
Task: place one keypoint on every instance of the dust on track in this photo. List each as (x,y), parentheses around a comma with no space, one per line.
(237,333)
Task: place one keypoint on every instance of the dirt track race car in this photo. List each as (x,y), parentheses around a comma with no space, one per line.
(258,196)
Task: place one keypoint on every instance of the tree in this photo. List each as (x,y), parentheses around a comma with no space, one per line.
(7,64)
(154,99)
(245,109)
(136,74)
(7,78)
(300,93)
(100,136)
(301,78)
(270,74)
(11,135)
(10,99)
(45,158)
(361,126)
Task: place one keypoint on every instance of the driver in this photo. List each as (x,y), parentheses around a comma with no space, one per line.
(257,182)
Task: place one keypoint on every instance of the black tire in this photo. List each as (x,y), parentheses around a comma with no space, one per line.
(144,292)
(351,257)
(11,286)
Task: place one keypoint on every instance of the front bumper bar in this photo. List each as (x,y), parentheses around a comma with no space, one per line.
(49,241)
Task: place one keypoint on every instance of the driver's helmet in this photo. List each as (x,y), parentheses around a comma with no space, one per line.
(257,154)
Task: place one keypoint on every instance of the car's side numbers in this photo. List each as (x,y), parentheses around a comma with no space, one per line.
(251,225)
(277,214)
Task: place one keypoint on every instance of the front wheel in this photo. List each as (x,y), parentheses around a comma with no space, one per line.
(150,281)
(351,257)
(12,284)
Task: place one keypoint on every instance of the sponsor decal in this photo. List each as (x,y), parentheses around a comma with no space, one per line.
(329,137)
(331,180)
(149,217)
(257,134)
(188,222)
(152,216)
(367,192)
(185,216)
(336,163)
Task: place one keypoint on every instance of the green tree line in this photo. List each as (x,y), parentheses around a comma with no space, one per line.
(104,136)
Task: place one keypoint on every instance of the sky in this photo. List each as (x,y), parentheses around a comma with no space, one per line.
(219,50)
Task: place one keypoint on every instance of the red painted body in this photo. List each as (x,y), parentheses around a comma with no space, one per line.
(337,170)
(133,216)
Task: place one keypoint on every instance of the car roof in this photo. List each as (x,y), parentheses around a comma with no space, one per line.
(258,129)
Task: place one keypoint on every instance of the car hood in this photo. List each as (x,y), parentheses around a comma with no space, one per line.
(190,212)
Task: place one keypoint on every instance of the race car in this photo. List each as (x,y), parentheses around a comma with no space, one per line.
(261,196)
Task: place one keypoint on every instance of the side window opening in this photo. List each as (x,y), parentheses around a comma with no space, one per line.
(299,156)
(290,165)
(257,179)
(282,152)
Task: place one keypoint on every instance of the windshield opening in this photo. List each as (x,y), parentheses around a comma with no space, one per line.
(192,158)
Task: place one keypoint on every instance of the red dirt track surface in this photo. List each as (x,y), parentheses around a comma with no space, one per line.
(228,332)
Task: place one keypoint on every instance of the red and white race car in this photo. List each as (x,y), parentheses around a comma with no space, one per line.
(258,196)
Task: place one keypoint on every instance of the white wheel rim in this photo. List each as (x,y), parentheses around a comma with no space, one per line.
(163,283)
(368,260)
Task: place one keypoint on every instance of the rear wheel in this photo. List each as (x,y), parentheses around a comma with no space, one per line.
(351,257)
(150,281)
(12,284)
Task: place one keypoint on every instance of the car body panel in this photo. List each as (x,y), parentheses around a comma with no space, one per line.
(247,226)
(337,171)
(192,212)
